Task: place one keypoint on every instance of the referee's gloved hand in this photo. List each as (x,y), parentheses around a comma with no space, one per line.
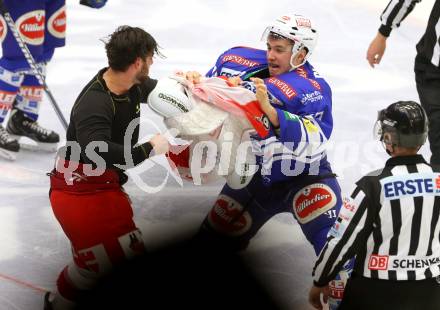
(160,144)
(96,4)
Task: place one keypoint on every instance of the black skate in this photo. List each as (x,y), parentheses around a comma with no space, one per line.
(9,147)
(19,126)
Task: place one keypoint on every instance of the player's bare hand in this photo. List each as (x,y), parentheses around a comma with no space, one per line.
(376,50)
(263,100)
(235,80)
(261,93)
(160,144)
(193,76)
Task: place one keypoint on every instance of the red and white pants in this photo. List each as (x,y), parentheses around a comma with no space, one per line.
(96,215)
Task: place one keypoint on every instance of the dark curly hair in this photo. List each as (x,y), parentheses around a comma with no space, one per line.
(128,43)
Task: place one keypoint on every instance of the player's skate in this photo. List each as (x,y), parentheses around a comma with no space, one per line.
(9,147)
(24,128)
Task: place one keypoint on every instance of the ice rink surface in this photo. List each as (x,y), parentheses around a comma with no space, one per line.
(192,33)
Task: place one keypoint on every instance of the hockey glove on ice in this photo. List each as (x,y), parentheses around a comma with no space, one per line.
(96,4)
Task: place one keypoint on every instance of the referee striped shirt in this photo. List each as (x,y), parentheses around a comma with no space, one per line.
(390,223)
(429,46)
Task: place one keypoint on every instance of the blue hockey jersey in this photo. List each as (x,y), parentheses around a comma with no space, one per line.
(303,102)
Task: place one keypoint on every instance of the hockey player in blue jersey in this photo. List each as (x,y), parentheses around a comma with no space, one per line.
(294,174)
(42,25)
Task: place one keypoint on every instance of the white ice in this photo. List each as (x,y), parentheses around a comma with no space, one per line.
(33,248)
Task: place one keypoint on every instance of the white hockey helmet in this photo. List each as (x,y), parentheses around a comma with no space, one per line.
(169,98)
(299,29)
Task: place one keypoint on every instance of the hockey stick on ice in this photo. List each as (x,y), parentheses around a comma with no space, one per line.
(31,61)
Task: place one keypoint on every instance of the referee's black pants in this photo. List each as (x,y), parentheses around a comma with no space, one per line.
(371,294)
(428,88)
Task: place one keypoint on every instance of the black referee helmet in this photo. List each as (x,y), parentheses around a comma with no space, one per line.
(403,123)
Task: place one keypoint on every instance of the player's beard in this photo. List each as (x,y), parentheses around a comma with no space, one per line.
(142,75)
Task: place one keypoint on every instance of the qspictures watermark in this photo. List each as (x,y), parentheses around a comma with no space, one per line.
(219,158)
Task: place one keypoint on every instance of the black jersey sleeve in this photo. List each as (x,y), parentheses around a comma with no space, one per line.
(93,117)
(394,13)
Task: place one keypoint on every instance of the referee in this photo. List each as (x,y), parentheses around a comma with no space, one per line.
(390,223)
(427,62)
